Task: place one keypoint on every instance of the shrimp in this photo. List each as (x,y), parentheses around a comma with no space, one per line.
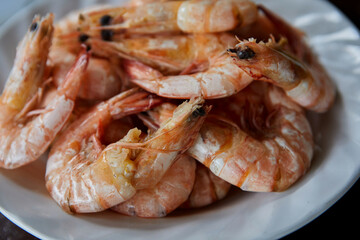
(269,146)
(307,85)
(82,176)
(26,134)
(172,190)
(223,78)
(206,16)
(101,80)
(169,54)
(170,142)
(208,188)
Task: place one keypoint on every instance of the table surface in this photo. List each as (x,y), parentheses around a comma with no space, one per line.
(336,221)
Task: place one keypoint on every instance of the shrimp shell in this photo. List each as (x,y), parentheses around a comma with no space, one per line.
(172,190)
(270,161)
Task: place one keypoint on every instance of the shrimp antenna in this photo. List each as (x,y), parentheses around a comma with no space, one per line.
(141,145)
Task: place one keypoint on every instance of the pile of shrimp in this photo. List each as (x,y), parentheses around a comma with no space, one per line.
(159,105)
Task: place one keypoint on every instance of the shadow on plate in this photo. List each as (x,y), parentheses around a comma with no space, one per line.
(30,177)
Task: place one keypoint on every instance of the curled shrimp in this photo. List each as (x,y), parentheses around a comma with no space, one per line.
(169,54)
(267,148)
(223,78)
(307,85)
(206,16)
(101,80)
(172,190)
(25,133)
(82,175)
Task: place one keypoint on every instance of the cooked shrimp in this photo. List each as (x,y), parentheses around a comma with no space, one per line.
(307,85)
(172,190)
(223,78)
(26,134)
(158,155)
(208,188)
(101,80)
(81,175)
(169,54)
(269,148)
(205,16)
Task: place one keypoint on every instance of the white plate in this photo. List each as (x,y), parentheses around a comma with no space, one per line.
(25,201)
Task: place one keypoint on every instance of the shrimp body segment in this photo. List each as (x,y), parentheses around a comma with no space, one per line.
(82,175)
(172,190)
(266,156)
(205,16)
(309,87)
(215,15)
(223,78)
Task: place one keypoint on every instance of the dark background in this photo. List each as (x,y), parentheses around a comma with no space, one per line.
(341,220)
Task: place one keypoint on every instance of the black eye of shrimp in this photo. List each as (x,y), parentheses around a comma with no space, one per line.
(246,53)
(105,20)
(199,112)
(33,26)
(83,37)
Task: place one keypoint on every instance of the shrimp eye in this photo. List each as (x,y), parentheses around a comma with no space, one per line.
(33,26)
(83,37)
(199,112)
(246,53)
(105,20)
(106,34)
